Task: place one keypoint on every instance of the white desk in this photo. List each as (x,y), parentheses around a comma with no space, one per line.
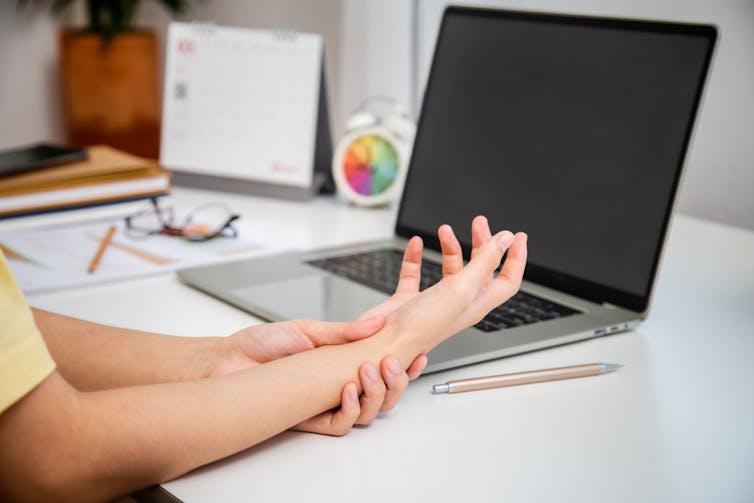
(676,424)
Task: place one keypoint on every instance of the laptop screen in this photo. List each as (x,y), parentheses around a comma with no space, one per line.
(571,129)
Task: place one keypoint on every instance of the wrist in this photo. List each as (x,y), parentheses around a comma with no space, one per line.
(394,339)
(200,356)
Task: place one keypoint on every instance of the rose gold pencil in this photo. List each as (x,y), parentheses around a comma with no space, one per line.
(529,377)
(101,249)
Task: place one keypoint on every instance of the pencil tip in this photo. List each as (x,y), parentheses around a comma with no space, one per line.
(440,388)
(611,367)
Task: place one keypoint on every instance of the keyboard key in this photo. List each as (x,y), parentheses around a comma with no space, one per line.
(380,269)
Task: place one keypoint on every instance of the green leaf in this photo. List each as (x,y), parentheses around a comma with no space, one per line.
(59,6)
(109,17)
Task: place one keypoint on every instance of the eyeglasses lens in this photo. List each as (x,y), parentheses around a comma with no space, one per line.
(206,221)
(148,221)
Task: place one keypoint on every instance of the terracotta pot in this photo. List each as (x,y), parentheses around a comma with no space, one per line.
(110,90)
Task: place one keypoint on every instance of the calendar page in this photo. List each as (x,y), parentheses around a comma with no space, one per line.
(241,103)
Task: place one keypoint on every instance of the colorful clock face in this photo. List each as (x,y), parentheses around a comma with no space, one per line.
(370,164)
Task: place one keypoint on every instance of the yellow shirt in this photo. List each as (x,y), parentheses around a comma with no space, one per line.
(24,359)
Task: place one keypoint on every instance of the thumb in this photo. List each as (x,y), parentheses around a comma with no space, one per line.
(322,333)
(361,329)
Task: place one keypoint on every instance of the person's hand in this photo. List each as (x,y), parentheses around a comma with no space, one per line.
(381,391)
(464,295)
(410,274)
(409,279)
(260,344)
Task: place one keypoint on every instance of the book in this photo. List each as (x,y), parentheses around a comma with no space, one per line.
(108,175)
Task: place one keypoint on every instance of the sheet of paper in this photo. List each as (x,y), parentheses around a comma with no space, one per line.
(57,258)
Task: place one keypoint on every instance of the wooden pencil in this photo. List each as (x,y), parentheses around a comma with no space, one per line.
(101,250)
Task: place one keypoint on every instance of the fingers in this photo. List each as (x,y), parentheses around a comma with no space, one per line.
(515,263)
(396,381)
(411,267)
(488,257)
(416,367)
(480,233)
(321,333)
(360,329)
(381,391)
(452,255)
(374,394)
(337,422)
(507,283)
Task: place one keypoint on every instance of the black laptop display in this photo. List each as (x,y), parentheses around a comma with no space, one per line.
(572,129)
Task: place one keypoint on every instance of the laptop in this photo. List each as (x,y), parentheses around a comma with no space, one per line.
(573,129)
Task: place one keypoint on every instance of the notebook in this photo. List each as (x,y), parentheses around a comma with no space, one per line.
(573,129)
(107,175)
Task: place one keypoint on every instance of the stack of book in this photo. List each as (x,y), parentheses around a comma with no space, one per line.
(106,176)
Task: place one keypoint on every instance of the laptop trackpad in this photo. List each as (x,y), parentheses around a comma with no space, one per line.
(318,296)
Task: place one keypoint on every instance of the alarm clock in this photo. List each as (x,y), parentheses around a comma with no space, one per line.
(370,161)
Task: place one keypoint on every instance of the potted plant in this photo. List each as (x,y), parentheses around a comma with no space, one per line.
(109,77)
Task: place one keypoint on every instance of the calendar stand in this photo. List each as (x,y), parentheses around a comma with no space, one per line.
(322,182)
(200,170)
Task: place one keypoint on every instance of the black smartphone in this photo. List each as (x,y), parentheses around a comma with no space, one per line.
(37,156)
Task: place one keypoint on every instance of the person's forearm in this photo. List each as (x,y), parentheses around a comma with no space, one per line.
(142,435)
(223,415)
(99,444)
(92,356)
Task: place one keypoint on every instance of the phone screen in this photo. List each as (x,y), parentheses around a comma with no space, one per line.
(37,156)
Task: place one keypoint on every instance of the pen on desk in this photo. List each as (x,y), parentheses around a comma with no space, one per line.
(101,250)
(531,376)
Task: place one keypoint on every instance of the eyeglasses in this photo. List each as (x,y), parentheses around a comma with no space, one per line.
(205,222)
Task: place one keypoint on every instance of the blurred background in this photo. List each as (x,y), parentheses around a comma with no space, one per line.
(385,47)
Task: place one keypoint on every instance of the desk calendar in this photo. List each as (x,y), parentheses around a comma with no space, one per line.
(245,110)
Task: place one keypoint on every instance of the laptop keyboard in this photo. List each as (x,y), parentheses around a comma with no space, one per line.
(380,269)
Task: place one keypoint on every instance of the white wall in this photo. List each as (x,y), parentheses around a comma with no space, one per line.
(719,177)
(377,56)
(30,107)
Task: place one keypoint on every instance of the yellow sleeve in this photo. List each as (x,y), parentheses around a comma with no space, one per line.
(24,359)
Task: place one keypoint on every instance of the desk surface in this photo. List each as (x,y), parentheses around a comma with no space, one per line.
(675,424)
